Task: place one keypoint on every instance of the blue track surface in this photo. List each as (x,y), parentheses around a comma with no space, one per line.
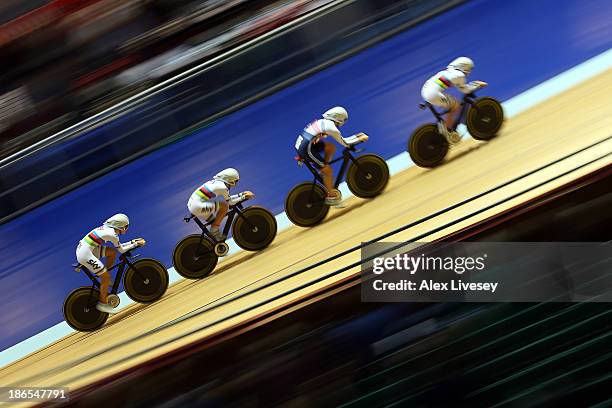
(516,45)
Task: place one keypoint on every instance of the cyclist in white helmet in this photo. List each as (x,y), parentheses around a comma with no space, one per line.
(212,199)
(311,147)
(434,91)
(91,248)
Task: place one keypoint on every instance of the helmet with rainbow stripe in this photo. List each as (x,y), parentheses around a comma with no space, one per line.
(463,64)
(229,176)
(119,222)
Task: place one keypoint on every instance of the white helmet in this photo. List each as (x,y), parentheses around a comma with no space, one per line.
(463,64)
(338,114)
(229,176)
(118,221)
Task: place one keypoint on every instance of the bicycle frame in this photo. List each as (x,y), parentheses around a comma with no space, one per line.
(468,100)
(121,267)
(346,158)
(235,210)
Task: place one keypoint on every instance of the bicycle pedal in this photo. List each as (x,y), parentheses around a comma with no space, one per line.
(113,300)
(453,138)
(221,249)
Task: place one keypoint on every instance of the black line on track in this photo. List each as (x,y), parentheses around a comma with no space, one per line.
(203,309)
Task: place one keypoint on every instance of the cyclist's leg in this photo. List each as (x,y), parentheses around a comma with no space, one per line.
(436,97)
(327,172)
(329,149)
(454,107)
(320,154)
(328,178)
(105,280)
(110,255)
(204,209)
(88,257)
(105,276)
(209,210)
(221,208)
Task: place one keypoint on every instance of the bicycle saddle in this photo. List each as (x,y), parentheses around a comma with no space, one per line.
(299,160)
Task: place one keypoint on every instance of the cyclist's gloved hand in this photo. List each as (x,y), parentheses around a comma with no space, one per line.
(362,137)
(481,84)
(247,195)
(140,242)
(356,139)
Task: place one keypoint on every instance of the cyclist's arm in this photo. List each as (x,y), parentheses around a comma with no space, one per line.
(224,194)
(122,247)
(331,130)
(236,198)
(468,88)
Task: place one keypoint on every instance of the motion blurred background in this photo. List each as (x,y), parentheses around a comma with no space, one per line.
(65,60)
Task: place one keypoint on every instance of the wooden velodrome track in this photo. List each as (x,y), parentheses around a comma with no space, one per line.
(553,129)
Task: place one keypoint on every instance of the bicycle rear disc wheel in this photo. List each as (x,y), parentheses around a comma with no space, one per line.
(193,259)
(305,204)
(80,310)
(427,147)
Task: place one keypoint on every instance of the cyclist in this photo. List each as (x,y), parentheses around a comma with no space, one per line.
(434,92)
(91,248)
(310,146)
(211,200)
